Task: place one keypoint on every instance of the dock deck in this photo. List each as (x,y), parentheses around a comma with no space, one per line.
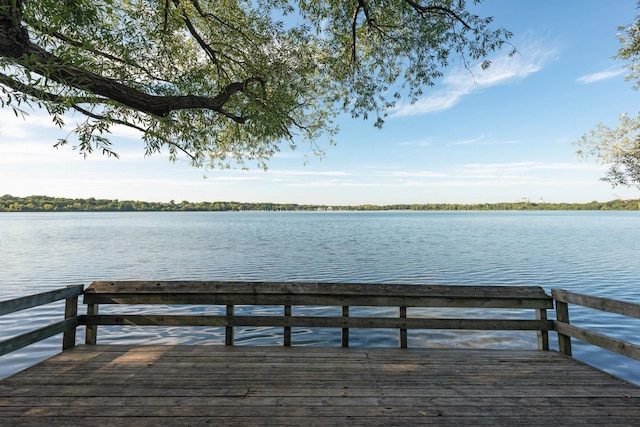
(229,385)
(197,385)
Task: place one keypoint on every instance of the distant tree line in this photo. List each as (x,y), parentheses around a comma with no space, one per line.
(9,203)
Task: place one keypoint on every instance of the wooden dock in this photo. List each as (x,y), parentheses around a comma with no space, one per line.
(227,385)
(212,385)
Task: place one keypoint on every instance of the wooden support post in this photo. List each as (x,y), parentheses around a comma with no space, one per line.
(403,331)
(345,331)
(228,339)
(70,311)
(562,315)
(287,329)
(91,334)
(543,336)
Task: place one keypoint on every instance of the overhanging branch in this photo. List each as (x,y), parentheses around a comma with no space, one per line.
(437,9)
(16,46)
(46,96)
(131,125)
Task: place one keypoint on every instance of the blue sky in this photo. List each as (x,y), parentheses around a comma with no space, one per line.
(503,134)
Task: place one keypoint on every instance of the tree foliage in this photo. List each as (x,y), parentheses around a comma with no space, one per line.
(619,147)
(227,81)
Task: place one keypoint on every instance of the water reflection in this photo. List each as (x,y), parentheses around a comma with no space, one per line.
(588,252)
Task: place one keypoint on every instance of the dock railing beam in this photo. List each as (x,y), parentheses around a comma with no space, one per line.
(344,338)
(562,315)
(228,337)
(543,336)
(403,331)
(67,326)
(416,299)
(287,329)
(70,312)
(566,331)
(91,331)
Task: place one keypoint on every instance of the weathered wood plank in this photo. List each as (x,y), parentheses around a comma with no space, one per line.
(613,344)
(420,419)
(431,394)
(314,300)
(70,312)
(262,293)
(296,372)
(336,400)
(23,340)
(30,301)
(287,329)
(403,331)
(599,303)
(319,409)
(228,333)
(562,316)
(543,335)
(240,287)
(91,331)
(318,322)
(344,334)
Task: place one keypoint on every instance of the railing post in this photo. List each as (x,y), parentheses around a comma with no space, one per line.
(70,311)
(562,315)
(403,331)
(543,336)
(91,333)
(345,331)
(228,339)
(287,329)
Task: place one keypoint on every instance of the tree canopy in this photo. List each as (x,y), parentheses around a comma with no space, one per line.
(619,147)
(225,82)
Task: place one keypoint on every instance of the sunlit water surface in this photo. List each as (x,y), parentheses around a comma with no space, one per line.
(595,253)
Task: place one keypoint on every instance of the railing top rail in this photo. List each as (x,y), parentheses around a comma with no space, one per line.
(304,293)
(30,301)
(360,289)
(624,308)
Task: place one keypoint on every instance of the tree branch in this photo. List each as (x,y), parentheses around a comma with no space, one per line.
(436,9)
(354,29)
(131,125)
(106,55)
(41,62)
(198,7)
(47,96)
(15,45)
(211,53)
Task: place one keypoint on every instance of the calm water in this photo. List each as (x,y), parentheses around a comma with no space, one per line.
(589,252)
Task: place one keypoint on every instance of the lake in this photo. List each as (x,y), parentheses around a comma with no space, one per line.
(589,252)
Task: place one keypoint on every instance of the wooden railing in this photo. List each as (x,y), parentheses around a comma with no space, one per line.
(345,296)
(566,331)
(67,326)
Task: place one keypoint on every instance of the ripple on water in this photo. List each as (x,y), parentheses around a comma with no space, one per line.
(589,252)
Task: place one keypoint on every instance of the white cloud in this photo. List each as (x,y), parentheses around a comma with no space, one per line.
(442,101)
(417,174)
(528,166)
(272,175)
(334,183)
(24,126)
(602,75)
(463,82)
(421,144)
(468,141)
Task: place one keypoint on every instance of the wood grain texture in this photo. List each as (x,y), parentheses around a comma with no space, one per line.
(248,386)
(338,294)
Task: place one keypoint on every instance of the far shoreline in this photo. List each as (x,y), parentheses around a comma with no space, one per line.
(9,203)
